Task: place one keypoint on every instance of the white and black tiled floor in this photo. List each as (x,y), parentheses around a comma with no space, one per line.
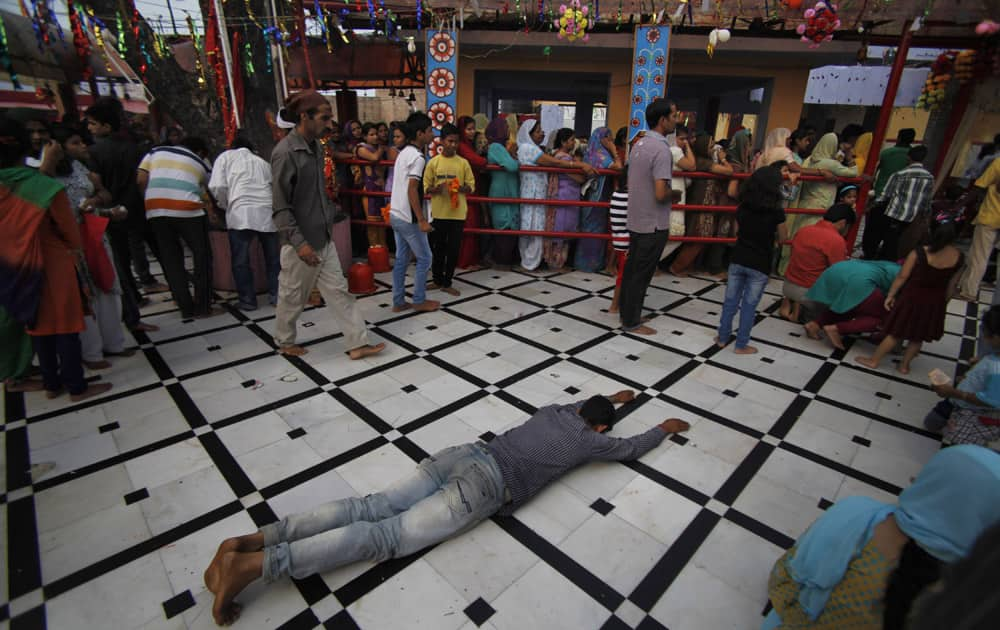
(111,509)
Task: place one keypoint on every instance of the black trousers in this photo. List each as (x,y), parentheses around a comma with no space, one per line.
(644,252)
(138,239)
(61,362)
(170,233)
(446,241)
(118,237)
(890,240)
(875,226)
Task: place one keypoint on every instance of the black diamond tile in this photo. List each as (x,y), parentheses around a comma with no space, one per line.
(545,292)
(432,327)
(383,305)
(138,495)
(572,391)
(409,389)
(857,439)
(488,436)
(556,329)
(308,324)
(823,503)
(676,332)
(794,334)
(650,624)
(213,348)
(883,395)
(248,383)
(492,355)
(678,439)
(494,308)
(479,611)
(602,507)
(178,604)
(111,426)
(631,357)
(187,320)
(711,312)
(296,433)
(730,393)
(767,360)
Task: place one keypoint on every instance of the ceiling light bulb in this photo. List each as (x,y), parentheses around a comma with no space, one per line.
(411,46)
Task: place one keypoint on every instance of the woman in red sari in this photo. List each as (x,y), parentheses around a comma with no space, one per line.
(39,248)
(469,254)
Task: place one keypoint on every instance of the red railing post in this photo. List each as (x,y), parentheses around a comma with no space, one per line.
(878,137)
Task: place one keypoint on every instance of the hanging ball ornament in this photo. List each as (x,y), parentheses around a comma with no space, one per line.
(987,27)
(821,22)
(724,35)
(794,5)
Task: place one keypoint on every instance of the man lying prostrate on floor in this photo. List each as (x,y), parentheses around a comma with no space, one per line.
(449,493)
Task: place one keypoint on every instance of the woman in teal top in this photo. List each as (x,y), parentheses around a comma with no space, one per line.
(854,293)
(505,216)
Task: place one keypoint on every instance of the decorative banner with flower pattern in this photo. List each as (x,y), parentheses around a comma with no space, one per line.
(442,81)
(649,73)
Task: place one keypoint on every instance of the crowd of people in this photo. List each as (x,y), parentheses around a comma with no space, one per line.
(83,209)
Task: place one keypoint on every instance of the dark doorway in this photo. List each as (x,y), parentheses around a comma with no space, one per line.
(519,90)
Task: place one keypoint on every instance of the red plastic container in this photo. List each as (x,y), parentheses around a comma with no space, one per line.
(378,258)
(361,279)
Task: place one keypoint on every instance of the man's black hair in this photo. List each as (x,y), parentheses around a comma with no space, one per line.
(906,136)
(840,212)
(656,110)
(415,123)
(917,153)
(107,110)
(598,410)
(241,141)
(851,132)
(195,145)
(449,129)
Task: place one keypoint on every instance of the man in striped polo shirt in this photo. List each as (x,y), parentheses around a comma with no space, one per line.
(450,492)
(173,180)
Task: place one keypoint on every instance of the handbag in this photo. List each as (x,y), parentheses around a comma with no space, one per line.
(102,271)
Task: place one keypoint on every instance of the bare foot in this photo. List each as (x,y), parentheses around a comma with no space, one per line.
(427,306)
(94,389)
(674,425)
(812,330)
(144,327)
(745,350)
(679,274)
(97,365)
(433,286)
(451,291)
(236,572)
(720,277)
(292,351)
(903,369)
(24,385)
(643,330)
(785,310)
(402,307)
(365,351)
(867,362)
(246,544)
(613,308)
(834,336)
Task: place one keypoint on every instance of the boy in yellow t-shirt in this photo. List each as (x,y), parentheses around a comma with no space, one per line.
(448,178)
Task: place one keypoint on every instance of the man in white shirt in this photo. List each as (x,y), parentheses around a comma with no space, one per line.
(409,218)
(241,184)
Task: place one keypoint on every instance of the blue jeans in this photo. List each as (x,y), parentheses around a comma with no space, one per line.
(744,289)
(239,253)
(409,239)
(450,492)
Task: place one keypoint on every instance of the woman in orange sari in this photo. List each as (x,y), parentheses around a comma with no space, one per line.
(39,248)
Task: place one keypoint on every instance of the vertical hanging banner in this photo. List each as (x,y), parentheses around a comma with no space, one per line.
(441,81)
(651,50)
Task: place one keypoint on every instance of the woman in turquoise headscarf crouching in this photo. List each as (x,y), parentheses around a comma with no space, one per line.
(863,562)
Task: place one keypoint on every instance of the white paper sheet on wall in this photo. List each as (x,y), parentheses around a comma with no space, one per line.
(552,118)
(862,85)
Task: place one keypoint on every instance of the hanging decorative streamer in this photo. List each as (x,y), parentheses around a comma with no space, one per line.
(198,65)
(318,18)
(97,26)
(371,15)
(120,34)
(80,41)
(5,61)
(38,25)
(214,54)
(248,56)
(420,12)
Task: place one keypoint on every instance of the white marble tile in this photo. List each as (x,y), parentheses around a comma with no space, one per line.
(417,597)
(277,461)
(264,606)
(127,597)
(184,499)
(338,434)
(624,557)
(69,502)
(133,434)
(75,453)
(440,434)
(599,479)
(375,470)
(481,562)
(185,561)
(329,486)
(738,558)
(684,605)
(887,466)
(800,474)
(555,512)
(695,468)
(489,413)
(822,441)
(314,410)
(166,464)
(838,420)
(653,509)
(253,433)
(65,427)
(106,532)
(543,599)
(782,509)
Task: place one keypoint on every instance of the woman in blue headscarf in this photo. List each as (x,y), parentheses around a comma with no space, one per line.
(601,153)
(862,563)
